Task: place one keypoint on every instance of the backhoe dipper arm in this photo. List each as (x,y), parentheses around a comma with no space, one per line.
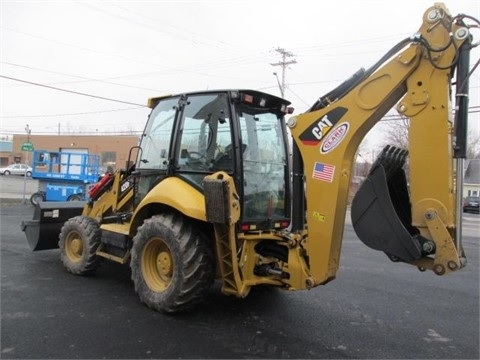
(417,76)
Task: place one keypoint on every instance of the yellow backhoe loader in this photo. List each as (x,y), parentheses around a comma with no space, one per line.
(223,186)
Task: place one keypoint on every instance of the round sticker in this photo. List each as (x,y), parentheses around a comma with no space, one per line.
(334,138)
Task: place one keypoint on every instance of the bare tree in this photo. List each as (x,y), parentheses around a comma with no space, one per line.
(396,134)
(473,147)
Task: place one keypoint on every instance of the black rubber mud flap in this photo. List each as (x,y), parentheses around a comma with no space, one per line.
(48,218)
(381,214)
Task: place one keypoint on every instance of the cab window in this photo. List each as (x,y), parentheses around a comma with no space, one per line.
(205,137)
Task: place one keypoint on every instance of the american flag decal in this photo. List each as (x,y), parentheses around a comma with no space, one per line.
(323,172)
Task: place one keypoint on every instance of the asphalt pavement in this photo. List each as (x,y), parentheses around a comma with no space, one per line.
(375,309)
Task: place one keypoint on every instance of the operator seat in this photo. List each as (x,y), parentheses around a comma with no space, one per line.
(224,160)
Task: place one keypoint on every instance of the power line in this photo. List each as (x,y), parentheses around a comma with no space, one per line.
(176,29)
(80,132)
(69,114)
(351,43)
(83,78)
(298,96)
(78,47)
(396,117)
(71,91)
(195,69)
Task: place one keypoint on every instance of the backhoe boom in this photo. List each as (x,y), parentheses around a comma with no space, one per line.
(416,75)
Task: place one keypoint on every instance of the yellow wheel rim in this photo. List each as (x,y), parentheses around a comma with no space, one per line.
(74,247)
(157,264)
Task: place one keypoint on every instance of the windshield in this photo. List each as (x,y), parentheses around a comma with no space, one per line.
(264,164)
(158,132)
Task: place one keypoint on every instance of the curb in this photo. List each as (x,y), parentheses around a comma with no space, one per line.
(14,201)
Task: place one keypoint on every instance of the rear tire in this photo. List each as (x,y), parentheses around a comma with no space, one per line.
(74,197)
(172,265)
(79,239)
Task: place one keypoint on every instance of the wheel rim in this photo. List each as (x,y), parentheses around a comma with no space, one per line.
(74,247)
(157,264)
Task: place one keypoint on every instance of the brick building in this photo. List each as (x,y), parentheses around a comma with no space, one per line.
(112,149)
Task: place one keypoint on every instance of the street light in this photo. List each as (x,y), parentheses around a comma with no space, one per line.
(279,85)
(29,131)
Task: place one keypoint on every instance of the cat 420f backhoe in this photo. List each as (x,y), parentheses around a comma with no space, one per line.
(220,188)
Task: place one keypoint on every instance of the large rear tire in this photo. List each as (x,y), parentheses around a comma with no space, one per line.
(172,264)
(79,239)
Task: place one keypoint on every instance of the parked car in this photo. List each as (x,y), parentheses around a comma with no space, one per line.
(16,169)
(471,204)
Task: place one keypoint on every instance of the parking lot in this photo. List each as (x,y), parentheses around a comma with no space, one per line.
(375,309)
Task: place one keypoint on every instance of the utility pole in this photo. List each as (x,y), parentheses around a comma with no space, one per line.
(28,131)
(283,63)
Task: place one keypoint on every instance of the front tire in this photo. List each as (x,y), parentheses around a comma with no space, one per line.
(37,197)
(79,239)
(172,265)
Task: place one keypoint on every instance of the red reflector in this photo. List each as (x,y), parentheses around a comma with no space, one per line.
(247,98)
(245,227)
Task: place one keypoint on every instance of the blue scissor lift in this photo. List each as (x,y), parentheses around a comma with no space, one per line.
(63,176)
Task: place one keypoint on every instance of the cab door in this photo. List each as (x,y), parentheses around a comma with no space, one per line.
(154,159)
(203,142)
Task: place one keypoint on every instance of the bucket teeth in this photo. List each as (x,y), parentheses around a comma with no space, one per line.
(391,158)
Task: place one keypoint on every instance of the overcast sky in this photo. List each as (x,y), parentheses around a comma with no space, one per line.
(132,50)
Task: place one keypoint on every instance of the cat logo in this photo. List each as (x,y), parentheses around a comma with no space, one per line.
(323,126)
(317,131)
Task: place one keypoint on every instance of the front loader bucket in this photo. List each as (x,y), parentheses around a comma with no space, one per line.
(381,213)
(48,218)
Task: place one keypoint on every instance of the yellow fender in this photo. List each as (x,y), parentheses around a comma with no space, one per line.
(177,194)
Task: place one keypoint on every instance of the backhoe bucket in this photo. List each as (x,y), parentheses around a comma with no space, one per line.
(381,212)
(48,218)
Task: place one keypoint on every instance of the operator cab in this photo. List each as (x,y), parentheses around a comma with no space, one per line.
(241,132)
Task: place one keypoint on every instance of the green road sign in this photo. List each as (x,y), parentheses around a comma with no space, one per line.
(27,146)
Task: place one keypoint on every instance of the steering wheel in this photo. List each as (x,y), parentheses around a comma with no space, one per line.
(195,156)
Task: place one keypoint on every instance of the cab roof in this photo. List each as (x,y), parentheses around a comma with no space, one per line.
(233,93)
